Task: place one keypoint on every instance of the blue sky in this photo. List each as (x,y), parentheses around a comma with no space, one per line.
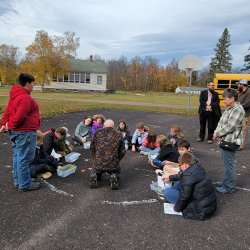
(165,29)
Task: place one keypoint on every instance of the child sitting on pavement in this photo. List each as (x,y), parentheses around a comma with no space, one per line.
(98,121)
(83,132)
(123,128)
(43,164)
(193,194)
(183,147)
(175,135)
(140,133)
(150,145)
(167,153)
(56,139)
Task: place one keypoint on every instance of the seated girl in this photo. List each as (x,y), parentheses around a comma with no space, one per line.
(98,121)
(123,128)
(82,133)
(175,135)
(167,153)
(150,145)
(140,133)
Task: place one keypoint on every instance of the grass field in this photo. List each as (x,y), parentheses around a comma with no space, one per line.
(54,103)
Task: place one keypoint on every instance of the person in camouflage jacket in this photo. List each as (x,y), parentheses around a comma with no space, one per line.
(108,149)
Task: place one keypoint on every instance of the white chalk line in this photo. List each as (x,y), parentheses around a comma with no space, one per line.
(54,189)
(245,189)
(144,170)
(128,203)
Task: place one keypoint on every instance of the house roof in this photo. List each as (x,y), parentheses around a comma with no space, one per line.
(79,65)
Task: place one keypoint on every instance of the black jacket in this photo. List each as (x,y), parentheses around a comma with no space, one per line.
(168,153)
(215,103)
(197,198)
(41,157)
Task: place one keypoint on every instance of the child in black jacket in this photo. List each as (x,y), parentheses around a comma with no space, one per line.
(193,192)
(43,162)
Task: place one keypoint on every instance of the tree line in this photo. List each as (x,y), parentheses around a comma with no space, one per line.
(50,55)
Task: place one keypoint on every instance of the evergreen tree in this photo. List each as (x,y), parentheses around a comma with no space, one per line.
(247,61)
(221,62)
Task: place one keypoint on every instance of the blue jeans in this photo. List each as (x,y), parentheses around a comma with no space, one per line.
(172,194)
(228,158)
(24,148)
(158,163)
(151,151)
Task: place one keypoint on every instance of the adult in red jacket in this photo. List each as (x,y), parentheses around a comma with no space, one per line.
(22,119)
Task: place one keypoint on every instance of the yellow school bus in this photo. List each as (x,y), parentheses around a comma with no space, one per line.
(223,81)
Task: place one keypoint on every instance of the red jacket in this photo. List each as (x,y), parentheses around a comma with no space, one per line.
(22,113)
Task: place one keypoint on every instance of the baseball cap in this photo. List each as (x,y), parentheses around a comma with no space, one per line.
(243,82)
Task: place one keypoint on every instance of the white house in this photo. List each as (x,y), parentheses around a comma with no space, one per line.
(86,75)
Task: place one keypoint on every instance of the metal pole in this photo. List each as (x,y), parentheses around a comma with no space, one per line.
(189,91)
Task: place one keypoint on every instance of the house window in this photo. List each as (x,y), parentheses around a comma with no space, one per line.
(82,78)
(72,77)
(87,78)
(99,79)
(77,77)
(66,78)
(54,77)
(60,78)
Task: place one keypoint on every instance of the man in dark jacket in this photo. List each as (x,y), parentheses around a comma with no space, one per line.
(244,99)
(22,119)
(209,112)
(108,148)
(193,192)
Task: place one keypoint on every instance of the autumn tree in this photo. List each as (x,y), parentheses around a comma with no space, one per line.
(9,57)
(170,79)
(50,55)
(247,62)
(222,61)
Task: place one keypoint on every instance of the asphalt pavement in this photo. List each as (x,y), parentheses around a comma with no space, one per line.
(66,214)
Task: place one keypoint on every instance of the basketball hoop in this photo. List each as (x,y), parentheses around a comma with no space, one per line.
(190,63)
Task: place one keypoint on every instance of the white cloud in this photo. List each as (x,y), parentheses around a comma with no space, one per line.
(164,29)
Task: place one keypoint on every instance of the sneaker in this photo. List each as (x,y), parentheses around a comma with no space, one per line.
(45,175)
(159,172)
(114,182)
(209,142)
(93,180)
(144,153)
(199,140)
(161,198)
(219,184)
(224,190)
(33,186)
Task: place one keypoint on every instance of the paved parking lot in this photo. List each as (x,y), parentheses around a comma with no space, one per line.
(66,214)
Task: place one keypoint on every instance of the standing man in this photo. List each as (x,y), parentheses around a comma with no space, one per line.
(229,129)
(22,119)
(209,112)
(244,99)
(108,148)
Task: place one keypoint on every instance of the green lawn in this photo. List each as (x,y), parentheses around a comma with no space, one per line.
(54,103)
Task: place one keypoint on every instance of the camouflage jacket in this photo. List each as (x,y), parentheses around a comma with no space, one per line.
(107,147)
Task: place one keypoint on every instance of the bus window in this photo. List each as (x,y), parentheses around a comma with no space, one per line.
(234,84)
(223,84)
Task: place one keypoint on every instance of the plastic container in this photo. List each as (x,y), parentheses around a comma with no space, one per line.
(62,172)
(154,187)
(86,145)
(71,157)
